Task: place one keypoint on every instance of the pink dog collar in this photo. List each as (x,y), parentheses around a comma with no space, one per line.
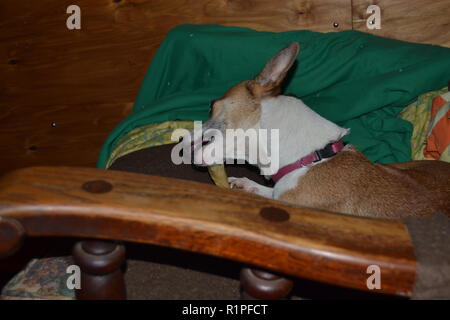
(330,150)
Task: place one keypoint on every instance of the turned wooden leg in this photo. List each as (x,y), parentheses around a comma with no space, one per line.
(256,284)
(101,273)
(12,235)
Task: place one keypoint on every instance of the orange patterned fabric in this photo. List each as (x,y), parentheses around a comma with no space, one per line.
(438,140)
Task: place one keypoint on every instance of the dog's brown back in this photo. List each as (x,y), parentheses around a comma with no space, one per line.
(349,183)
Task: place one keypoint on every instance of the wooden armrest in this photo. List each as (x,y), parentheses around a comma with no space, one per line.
(301,242)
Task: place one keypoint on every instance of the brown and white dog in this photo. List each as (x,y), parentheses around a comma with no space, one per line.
(345,181)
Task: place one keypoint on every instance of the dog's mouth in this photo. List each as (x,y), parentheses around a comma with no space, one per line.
(207,140)
(204,142)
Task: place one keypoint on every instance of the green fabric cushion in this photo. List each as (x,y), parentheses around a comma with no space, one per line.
(357,80)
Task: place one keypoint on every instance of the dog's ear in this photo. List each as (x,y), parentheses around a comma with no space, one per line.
(276,69)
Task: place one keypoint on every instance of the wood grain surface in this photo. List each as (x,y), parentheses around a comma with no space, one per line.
(301,242)
(408,20)
(55,135)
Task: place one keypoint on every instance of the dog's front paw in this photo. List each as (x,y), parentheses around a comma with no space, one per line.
(243,184)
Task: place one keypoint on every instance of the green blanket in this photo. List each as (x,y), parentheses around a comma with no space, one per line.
(355,79)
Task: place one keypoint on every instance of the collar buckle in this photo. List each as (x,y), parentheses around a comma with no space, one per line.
(330,150)
(319,157)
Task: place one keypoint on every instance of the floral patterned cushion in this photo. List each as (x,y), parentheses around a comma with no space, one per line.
(41,279)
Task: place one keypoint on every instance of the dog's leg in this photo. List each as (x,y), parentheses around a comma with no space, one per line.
(250,186)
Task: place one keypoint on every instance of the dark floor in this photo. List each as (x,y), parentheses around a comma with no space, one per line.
(154,273)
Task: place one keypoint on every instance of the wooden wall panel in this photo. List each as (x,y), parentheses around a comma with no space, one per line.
(409,20)
(106,59)
(56,135)
(87,79)
(48,72)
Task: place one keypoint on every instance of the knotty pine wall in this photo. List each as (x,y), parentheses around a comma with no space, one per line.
(62,91)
